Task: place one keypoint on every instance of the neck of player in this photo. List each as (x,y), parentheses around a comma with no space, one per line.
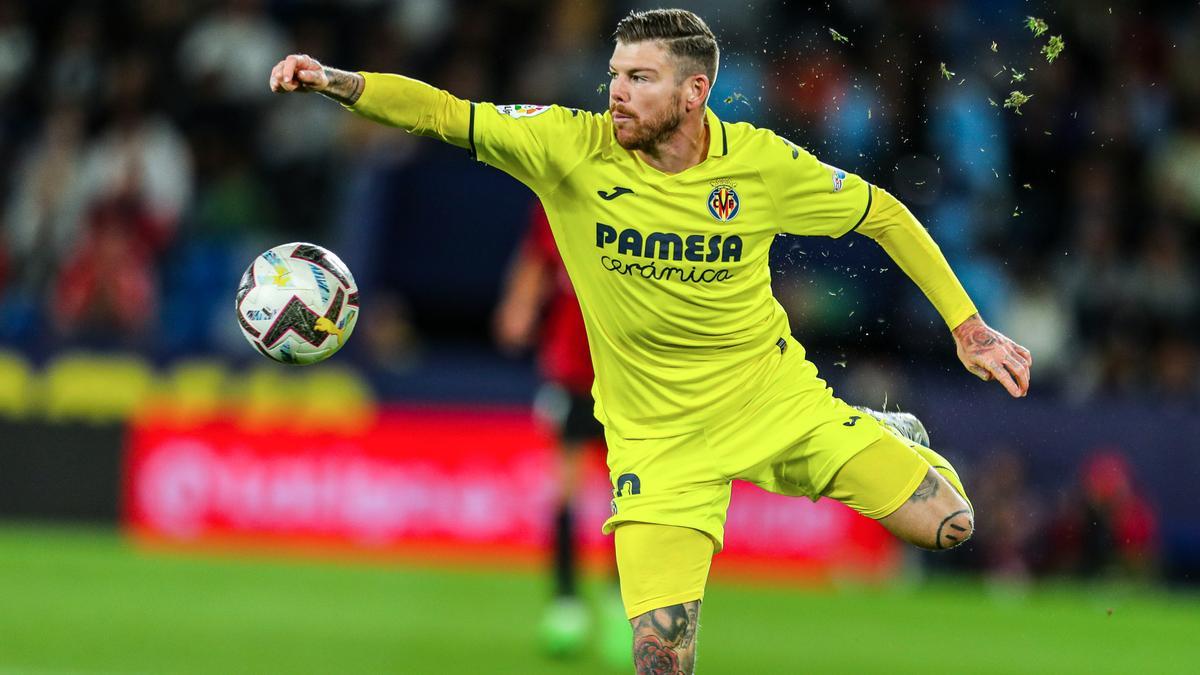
(682,150)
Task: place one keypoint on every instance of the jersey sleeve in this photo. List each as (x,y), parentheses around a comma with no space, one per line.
(814,198)
(417,107)
(537,145)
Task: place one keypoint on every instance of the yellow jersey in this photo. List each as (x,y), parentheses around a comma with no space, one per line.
(671,270)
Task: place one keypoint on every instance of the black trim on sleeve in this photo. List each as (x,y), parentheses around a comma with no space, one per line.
(724,140)
(865,211)
(471,130)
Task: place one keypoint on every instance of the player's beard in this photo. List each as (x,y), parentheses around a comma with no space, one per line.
(650,133)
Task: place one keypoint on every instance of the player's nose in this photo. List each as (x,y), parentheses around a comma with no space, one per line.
(617,93)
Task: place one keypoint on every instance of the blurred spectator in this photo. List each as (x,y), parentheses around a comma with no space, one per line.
(43,214)
(107,292)
(231,48)
(77,65)
(16,47)
(1106,526)
(134,180)
(139,152)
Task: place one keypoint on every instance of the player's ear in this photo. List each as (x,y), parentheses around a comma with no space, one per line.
(697,94)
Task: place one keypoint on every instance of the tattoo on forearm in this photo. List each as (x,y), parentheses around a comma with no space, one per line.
(954,536)
(344,87)
(665,639)
(927,490)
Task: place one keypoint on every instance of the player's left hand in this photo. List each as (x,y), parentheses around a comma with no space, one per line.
(989,355)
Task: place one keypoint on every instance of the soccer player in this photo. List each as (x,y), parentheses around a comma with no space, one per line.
(539,306)
(664,216)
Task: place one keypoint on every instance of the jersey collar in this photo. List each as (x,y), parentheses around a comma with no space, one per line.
(718,138)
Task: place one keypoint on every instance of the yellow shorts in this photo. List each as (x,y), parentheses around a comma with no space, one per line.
(664,565)
(790,438)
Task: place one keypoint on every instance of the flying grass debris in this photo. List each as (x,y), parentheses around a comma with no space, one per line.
(995,46)
(1054,48)
(1018,76)
(1036,25)
(738,96)
(1017,99)
(945,72)
(838,37)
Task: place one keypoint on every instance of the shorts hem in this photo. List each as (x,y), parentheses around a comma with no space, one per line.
(825,475)
(611,524)
(641,608)
(909,488)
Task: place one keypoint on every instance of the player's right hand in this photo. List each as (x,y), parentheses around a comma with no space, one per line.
(990,355)
(298,72)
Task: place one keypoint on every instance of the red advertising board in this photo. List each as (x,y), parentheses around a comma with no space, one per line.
(471,484)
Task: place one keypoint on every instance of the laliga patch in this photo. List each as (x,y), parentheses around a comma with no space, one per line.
(723,201)
(839,178)
(521,110)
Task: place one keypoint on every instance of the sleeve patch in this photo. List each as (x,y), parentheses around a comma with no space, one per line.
(521,110)
(839,177)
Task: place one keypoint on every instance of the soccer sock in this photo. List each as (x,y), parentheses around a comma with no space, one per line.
(564,552)
(942,466)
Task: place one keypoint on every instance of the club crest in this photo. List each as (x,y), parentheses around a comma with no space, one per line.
(723,201)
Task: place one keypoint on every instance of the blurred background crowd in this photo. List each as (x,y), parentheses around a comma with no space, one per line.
(145,163)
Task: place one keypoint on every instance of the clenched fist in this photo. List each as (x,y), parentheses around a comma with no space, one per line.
(299,72)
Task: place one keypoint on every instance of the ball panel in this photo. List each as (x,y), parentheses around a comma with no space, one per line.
(297,303)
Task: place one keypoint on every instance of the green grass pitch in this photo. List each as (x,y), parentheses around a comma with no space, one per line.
(81,601)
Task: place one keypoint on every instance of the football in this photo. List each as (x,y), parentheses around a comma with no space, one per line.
(297,303)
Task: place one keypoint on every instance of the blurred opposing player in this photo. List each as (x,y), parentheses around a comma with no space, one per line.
(539,307)
(664,216)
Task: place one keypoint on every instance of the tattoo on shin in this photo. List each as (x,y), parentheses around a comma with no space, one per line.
(664,640)
(927,490)
(951,534)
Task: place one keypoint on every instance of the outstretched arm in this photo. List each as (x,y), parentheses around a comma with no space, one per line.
(537,145)
(984,352)
(394,100)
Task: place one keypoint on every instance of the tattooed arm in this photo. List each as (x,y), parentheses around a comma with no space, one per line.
(985,352)
(664,640)
(989,355)
(300,72)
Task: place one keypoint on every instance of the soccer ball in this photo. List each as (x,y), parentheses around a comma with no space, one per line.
(297,303)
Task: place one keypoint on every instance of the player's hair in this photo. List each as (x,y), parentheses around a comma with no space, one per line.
(685,36)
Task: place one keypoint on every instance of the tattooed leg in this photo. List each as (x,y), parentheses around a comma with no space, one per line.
(935,517)
(664,640)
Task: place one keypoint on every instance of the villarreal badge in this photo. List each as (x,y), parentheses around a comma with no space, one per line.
(723,201)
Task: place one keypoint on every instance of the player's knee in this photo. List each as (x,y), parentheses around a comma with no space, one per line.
(951,530)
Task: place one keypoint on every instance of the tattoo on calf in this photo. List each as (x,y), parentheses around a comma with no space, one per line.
(664,640)
(927,490)
(957,533)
